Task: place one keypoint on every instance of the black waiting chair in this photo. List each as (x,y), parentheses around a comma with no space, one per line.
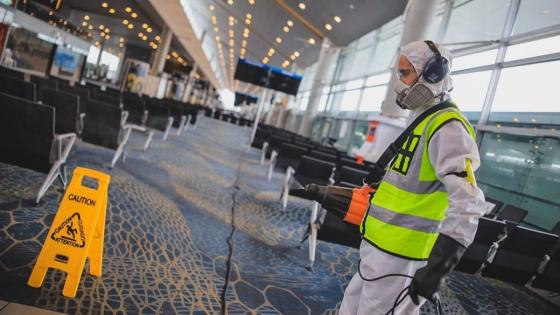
(11,73)
(520,255)
(350,177)
(311,170)
(512,214)
(321,155)
(556,229)
(28,139)
(334,230)
(18,88)
(496,205)
(549,278)
(137,113)
(289,155)
(104,126)
(67,109)
(484,245)
(178,111)
(42,83)
(159,117)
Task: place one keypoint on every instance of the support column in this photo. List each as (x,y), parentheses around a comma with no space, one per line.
(190,84)
(262,100)
(162,51)
(271,109)
(326,58)
(418,16)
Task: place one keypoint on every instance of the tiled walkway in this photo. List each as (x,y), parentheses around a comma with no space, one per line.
(168,220)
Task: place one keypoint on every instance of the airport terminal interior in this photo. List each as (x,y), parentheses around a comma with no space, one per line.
(161,156)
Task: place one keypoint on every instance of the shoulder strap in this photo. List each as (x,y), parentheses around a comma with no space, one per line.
(380,166)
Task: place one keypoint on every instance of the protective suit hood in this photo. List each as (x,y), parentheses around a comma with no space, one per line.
(419,53)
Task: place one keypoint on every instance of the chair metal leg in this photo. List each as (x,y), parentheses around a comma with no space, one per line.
(313,235)
(149,140)
(168,128)
(121,146)
(271,165)
(263,152)
(181,125)
(63,150)
(286,189)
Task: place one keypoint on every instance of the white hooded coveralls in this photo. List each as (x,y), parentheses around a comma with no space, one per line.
(448,151)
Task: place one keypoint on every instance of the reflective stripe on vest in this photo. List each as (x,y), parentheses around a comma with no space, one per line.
(406,212)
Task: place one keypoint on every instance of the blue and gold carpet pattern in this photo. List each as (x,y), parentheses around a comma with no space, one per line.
(168,218)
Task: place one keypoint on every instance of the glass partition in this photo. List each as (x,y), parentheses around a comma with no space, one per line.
(536,14)
(524,172)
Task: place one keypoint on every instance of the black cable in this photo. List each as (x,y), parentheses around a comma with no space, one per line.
(381,277)
(229,239)
(400,298)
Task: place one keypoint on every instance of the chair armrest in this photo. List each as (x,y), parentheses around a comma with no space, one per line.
(124,117)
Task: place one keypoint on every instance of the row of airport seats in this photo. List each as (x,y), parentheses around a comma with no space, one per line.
(502,248)
(227,116)
(305,161)
(42,118)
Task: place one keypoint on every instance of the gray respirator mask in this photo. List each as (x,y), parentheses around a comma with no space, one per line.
(412,97)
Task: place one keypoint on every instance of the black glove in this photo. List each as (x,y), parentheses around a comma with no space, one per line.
(428,280)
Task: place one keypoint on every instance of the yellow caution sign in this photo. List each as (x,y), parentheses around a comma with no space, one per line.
(77,232)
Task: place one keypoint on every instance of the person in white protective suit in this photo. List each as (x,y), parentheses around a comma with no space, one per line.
(426,209)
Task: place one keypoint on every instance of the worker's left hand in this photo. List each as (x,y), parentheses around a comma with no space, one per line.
(428,280)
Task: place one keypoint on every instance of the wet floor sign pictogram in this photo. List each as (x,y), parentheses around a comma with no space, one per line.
(76,233)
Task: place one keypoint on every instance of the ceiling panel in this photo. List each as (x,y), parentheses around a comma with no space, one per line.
(269,17)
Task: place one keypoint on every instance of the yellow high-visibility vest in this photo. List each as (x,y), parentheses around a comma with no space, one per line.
(406,212)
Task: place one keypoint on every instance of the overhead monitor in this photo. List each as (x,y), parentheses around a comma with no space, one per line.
(242,98)
(270,77)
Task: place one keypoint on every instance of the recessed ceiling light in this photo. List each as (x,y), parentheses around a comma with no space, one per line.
(107,30)
(286,29)
(302,6)
(145,37)
(293,57)
(134,15)
(149,30)
(251,2)
(104,4)
(311,41)
(247,21)
(84,23)
(90,27)
(128,9)
(249,16)
(279,40)
(102,34)
(107,36)
(140,34)
(296,53)
(337,19)
(230,2)
(121,39)
(101,26)
(290,23)
(86,17)
(212,7)
(157,38)
(328,26)
(125,22)
(112,11)
(121,45)
(145,26)
(130,26)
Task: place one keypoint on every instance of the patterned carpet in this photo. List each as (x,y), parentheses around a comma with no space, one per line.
(168,219)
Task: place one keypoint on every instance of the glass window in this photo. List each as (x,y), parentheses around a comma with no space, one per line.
(469,90)
(385,53)
(536,14)
(530,88)
(539,47)
(379,79)
(476,20)
(323,102)
(303,104)
(350,100)
(474,60)
(355,84)
(373,98)
(335,101)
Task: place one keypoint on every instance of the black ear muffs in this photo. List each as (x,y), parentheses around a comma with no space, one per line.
(437,67)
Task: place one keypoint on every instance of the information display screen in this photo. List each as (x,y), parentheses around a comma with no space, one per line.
(270,77)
